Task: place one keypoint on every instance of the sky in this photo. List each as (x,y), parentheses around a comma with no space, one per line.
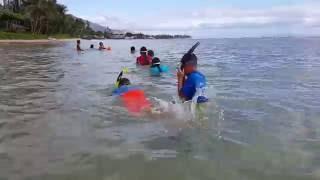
(204,18)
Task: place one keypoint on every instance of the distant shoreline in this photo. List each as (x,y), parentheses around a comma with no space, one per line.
(52,41)
(34,41)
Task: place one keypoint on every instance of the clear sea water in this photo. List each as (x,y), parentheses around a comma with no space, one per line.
(58,120)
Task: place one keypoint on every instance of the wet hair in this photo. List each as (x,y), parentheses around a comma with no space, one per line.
(78,41)
(156,63)
(132,49)
(189,59)
(100,43)
(91,46)
(124,81)
(150,53)
(143,50)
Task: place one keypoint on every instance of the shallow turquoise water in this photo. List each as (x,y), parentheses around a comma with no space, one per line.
(58,120)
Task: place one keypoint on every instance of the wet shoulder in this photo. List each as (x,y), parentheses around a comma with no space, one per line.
(154,71)
(164,68)
(197,76)
(124,89)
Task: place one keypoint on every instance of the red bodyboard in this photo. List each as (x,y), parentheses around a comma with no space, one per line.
(135,101)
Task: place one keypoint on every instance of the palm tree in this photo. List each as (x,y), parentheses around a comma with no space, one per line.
(59,22)
(35,11)
(45,16)
(40,12)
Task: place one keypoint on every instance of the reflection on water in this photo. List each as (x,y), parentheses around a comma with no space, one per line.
(58,120)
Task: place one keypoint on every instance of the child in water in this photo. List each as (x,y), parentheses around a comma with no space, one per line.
(156,69)
(132,50)
(78,46)
(150,53)
(101,46)
(132,97)
(135,101)
(191,83)
(137,104)
(144,59)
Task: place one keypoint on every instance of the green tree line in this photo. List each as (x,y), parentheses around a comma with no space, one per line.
(42,17)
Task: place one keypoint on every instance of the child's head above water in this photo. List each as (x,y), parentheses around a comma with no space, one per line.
(124,82)
(189,63)
(155,61)
(132,49)
(143,50)
(150,53)
(78,41)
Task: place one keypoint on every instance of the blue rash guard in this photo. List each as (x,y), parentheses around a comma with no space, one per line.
(123,89)
(195,81)
(155,71)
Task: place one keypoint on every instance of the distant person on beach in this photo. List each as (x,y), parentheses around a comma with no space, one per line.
(156,68)
(144,59)
(132,50)
(150,53)
(191,83)
(78,46)
(101,46)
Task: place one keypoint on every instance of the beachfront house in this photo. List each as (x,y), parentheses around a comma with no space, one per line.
(14,5)
(118,34)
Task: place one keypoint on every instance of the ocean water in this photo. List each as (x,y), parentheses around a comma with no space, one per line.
(58,119)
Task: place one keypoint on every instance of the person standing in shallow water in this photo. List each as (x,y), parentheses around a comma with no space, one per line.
(190,81)
(144,59)
(78,46)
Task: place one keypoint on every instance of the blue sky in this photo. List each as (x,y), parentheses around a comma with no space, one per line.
(204,18)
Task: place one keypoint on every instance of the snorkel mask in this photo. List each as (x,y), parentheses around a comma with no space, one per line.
(124,70)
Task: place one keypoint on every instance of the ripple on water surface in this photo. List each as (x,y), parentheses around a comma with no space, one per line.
(58,120)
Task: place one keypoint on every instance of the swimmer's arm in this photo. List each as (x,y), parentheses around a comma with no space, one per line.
(180,85)
(181,81)
(79,48)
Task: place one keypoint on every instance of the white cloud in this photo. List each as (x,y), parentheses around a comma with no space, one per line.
(302,16)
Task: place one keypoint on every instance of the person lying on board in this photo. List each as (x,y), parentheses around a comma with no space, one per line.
(132,97)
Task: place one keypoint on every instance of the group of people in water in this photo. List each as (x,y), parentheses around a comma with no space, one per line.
(191,83)
(147,58)
(101,46)
(190,87)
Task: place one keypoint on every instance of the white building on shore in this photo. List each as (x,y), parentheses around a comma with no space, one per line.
(11,3)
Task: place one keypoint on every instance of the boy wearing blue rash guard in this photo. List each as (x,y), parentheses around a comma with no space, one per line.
(191,83)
